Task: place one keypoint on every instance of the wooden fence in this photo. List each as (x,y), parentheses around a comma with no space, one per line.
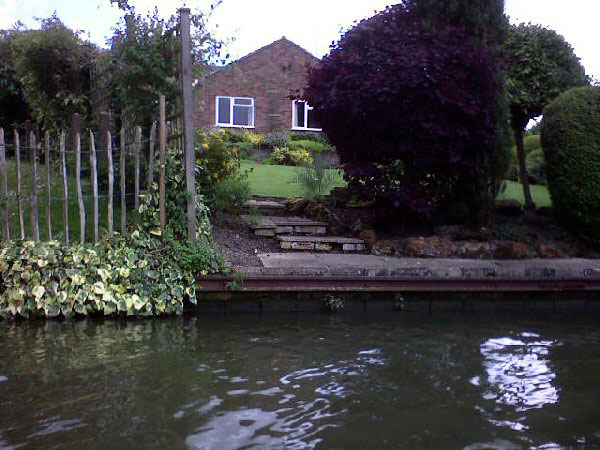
(61,163)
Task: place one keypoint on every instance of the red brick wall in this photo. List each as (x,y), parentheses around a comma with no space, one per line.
(269,75)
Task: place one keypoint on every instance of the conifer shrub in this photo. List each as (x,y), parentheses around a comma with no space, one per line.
(571,144)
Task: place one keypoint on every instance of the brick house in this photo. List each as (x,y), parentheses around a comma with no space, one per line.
(254,92)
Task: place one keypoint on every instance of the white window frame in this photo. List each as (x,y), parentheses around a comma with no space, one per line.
(306,111)
(231,105)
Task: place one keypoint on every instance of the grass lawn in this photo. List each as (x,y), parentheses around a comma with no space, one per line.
(56,212)
(281,181)
(514,190)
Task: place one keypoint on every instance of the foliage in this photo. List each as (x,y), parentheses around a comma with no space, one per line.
(231,194)
(542,65)
(217,160)
(315,180)
(13,107)
(571,143)
(310,146)
(310,136)
(253,138)
(146,273)
(536,165)
(289,157)
(53,65)
(531,143)
(275,139)
(411,110)
(143,60)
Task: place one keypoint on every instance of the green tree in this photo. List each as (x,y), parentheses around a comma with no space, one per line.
(53,65)
(541,66)
(13,107)
(143,60)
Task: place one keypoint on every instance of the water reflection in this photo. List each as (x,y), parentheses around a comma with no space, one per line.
(518,372)
(299,421)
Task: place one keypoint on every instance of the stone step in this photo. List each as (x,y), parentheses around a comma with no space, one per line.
(272,225)
(266,207)
(324,243)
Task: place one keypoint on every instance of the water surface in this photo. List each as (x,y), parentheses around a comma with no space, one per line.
(292,381)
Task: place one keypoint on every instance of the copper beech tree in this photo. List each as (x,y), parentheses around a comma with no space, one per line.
(413,112)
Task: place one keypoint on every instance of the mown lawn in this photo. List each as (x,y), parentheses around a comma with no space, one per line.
(514,190)
(281,181)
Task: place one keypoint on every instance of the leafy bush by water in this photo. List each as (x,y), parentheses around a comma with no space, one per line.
(145,273)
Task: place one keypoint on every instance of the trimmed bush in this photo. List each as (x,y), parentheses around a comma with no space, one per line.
(311,146)
(310,136)
(571,143)
(287,157)
(275,139)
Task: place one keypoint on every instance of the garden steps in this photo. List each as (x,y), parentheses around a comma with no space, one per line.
(274,225)
(266,207)
(321,243)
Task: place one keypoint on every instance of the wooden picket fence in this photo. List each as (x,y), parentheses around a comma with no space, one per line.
(57,155)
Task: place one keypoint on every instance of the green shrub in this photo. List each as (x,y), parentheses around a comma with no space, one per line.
(275,139)
(231,136)
(532,143)
(231,194)
(310,136)
(216,159)
(536,167)
(252,138)
(571,143)
(286,157)
(311,146)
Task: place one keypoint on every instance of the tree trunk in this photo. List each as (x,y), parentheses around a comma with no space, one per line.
(523,175)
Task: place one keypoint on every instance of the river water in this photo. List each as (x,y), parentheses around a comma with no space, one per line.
(396,380)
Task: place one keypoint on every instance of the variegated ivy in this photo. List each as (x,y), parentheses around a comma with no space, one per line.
(146,273)
(134,277)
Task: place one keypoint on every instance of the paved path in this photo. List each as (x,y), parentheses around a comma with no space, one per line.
(324,264)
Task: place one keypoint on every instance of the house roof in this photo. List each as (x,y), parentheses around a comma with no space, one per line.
(215,69)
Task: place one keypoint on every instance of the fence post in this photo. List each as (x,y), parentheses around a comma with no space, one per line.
(63,172)
(19,184)
(35,226)
(136,161)
(94,180)
(79,192)
(162,142)
(5,228)
(151,156)
(188,125)
(111,177)
(48,193)
(122,183)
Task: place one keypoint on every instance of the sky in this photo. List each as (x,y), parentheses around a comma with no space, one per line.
(312,24)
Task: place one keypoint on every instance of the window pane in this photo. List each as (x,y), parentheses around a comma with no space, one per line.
(243,101)
(242,115)
(223,110)
(300,114)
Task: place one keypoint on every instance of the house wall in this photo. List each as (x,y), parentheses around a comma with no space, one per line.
(269,75)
